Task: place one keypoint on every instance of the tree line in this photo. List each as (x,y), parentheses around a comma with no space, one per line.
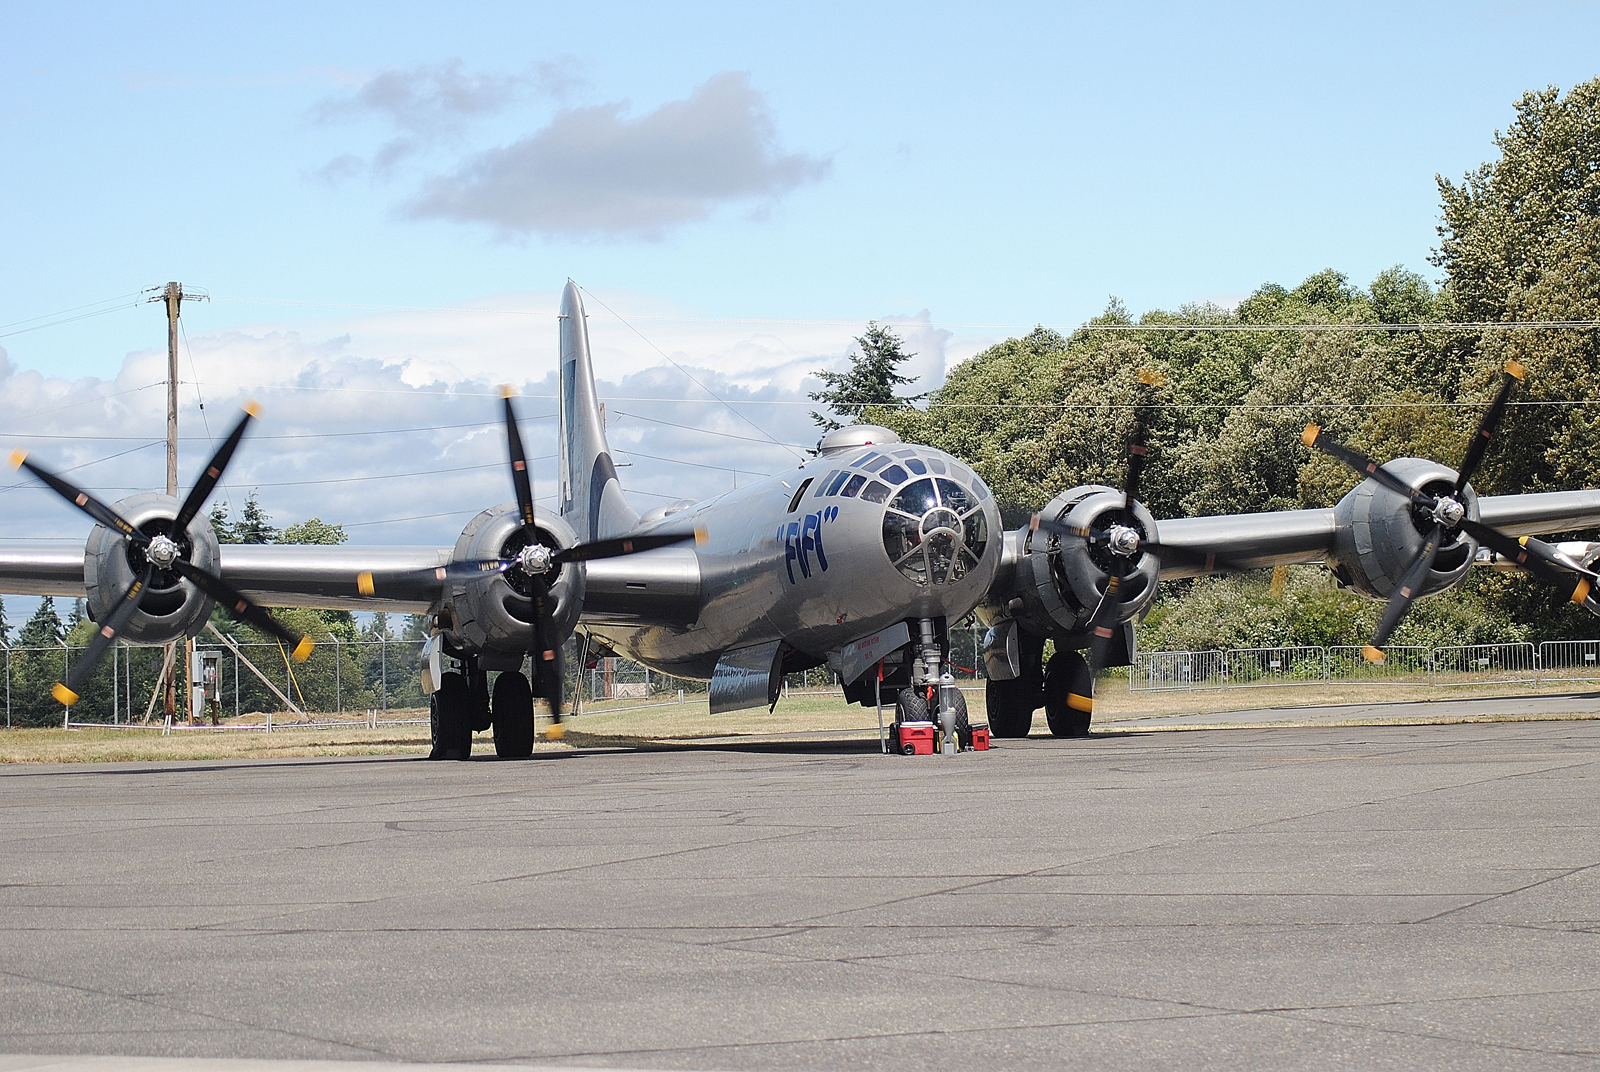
(1519,241)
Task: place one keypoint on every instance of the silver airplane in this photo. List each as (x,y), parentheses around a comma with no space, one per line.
(859,559)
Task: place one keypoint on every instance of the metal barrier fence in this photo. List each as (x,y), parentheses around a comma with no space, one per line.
(1552,662)
(380,680)
(374,681)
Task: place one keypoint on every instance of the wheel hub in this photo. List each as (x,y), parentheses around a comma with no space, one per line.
(1123,540)
(1448,512)
(162,552)
(535,558)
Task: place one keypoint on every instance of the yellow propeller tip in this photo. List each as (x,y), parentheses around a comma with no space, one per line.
(506,390)
(17,458)
(364,584)
(64,695)
(1080,703)
(1523,540)
(253,408)
(701,536)
(1151,378)
(1580,594)
(302,650)
(1373,655)
(555,731)
(1515,370)
(1309,436)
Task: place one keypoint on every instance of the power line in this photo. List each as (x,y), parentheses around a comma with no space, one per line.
(703,431)
(692,379)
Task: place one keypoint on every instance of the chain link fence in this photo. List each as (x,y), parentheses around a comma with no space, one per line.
(1552,662)
(342,682)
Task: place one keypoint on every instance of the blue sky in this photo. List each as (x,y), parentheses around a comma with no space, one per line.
(432,173)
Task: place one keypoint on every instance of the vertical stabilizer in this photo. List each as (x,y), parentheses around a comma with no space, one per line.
(592,501)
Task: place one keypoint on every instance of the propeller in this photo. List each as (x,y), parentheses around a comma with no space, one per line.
(1121,539)
(164,551)
(535,563)
(1448,514)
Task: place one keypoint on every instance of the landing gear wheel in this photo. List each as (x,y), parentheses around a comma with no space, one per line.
(910,706)
(1010,705)
(513,716)
(450,719)
(1068,695)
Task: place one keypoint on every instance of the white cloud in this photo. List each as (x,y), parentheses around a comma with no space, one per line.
(407,402)
(593,171)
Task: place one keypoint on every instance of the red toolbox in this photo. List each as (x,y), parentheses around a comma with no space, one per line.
(980,738)
(914,738)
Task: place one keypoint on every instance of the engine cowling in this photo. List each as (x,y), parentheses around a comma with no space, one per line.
(1377,532)
(173,607)
(493,614)
(1060,580)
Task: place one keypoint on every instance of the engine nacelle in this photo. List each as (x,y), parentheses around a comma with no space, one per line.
(173,607)
(1060,580)
(1378,532)
(493,614)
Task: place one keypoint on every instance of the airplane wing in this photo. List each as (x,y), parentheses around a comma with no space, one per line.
(1292,537)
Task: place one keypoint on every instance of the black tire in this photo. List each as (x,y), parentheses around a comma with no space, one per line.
(911,706)
(1068,695)
(450,719)
(513,716)
(1010,706)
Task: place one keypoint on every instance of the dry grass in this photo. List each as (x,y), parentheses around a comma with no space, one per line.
(629,725)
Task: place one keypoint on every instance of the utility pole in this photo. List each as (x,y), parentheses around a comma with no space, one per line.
(173,295)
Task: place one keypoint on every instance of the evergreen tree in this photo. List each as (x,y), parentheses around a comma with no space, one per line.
(220,523)
(5,627)
(43,630)
(254,525)
(871,381)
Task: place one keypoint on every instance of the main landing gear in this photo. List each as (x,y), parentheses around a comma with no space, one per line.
(462,706)
(1064,688)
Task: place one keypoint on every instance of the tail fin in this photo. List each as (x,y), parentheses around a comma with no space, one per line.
(592,501)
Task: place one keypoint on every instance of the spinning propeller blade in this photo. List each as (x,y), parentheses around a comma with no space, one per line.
(81,499)
(1538,558)
(1512,374)
(67,692)
(240,607)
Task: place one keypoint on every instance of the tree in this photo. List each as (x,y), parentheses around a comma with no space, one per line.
(871,380)
(43,630)
(221,525)
(254,524)
(1520,240)
(312,530)
(5,628)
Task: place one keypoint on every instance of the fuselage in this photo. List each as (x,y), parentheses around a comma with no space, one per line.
(833,550)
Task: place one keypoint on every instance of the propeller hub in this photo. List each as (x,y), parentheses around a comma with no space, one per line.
(535,558)
(1448,512)
(161,551)
(1123,540)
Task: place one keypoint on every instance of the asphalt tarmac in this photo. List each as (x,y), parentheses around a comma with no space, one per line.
(1380,897)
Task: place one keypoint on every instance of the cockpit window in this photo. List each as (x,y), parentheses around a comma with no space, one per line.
(850,489)
(836,482)
(822,485)
(934,531)
(875,492)
(893,475)
(799,493)
(916,466)
(875,464)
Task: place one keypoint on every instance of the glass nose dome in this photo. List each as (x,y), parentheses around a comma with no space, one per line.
(934,531)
